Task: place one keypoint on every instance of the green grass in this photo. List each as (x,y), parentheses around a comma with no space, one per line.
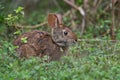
(87,60)
(84,61)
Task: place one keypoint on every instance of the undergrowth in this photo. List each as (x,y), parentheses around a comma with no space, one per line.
(84,61)
(87,60)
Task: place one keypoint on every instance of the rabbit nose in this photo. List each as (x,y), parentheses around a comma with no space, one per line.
(75,40)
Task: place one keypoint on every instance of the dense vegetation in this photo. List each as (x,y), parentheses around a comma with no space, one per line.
(95,57)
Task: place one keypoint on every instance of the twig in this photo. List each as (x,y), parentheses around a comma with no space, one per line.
(67,13)
(38,25)
(82,12)
(73,16)
(83,26)
(109,5)
(85,4)
(31,27)
(71,4)
(75,7)
(97,40)
(113,22)
(97,5)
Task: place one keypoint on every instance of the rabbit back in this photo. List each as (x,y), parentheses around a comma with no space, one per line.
(39,43)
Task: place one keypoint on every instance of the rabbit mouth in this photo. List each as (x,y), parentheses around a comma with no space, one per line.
(61,43)
(65,43)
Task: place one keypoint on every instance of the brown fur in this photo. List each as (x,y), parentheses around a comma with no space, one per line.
(40,43)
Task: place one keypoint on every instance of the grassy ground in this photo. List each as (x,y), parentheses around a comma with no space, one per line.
(91,60)
(87,60)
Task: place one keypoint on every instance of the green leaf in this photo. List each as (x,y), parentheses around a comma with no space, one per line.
(17,32)
(24,40)
(19,9)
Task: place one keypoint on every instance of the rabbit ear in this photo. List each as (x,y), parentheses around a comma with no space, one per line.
(59,18)
(54,20)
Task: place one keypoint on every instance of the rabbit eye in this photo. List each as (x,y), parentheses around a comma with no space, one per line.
(65,33)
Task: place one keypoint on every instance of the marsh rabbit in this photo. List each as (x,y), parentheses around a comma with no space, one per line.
(41,43)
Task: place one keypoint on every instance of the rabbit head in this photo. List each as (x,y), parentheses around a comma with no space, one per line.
(61,34)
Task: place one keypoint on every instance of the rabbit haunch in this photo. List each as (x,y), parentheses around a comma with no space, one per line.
(40,43)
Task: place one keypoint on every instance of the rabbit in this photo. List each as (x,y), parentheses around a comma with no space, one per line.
(41,43)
